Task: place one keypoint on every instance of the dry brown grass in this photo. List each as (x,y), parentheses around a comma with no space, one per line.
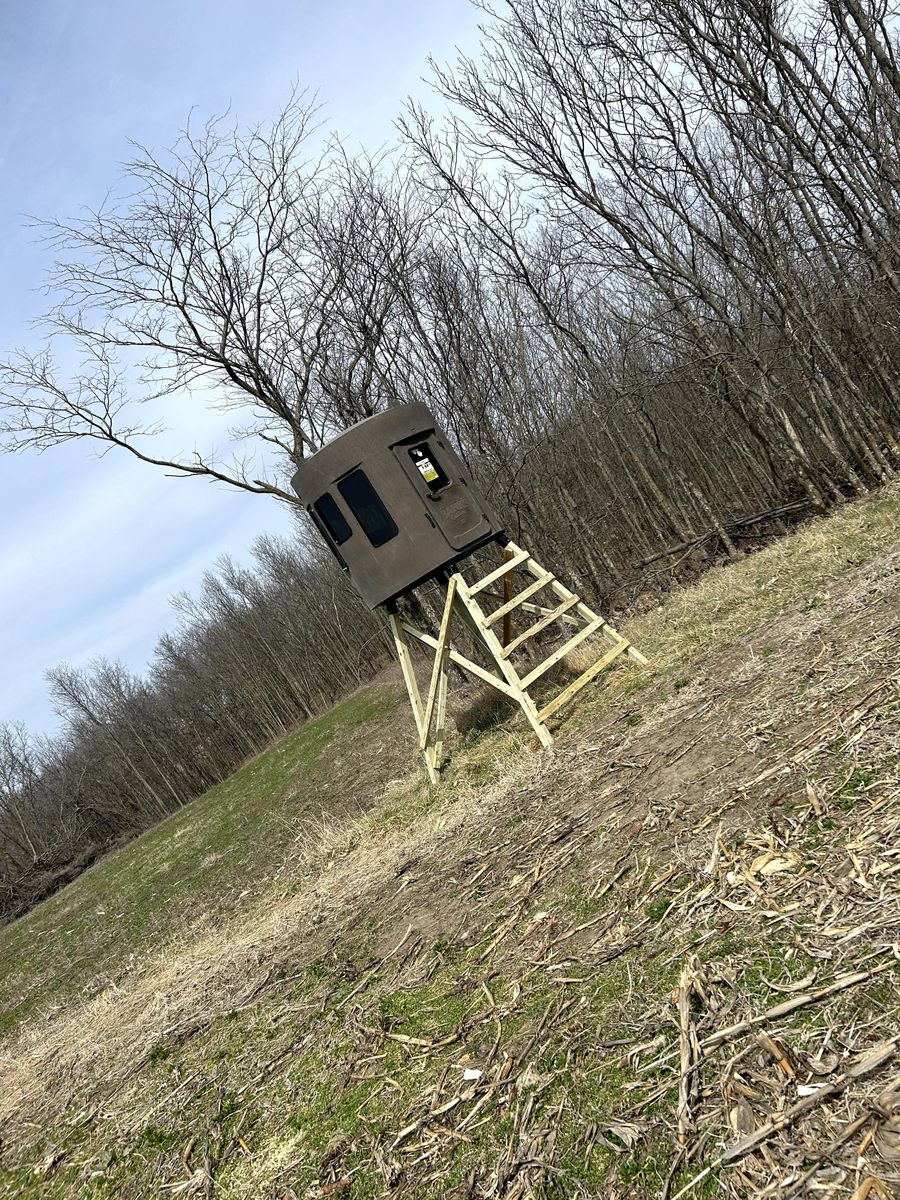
(520,879)
(210,970)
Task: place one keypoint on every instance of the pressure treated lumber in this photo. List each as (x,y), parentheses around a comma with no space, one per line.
(465,603)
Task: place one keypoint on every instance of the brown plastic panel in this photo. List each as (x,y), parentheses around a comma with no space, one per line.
(435,529)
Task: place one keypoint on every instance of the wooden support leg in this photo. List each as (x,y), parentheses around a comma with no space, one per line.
(431,735)
(409,678)
(440,716)
(507,596)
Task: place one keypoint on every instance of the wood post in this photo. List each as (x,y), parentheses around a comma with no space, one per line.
(502,674)
(507,601)
(409,678)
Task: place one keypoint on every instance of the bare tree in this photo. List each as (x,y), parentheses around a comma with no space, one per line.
(247,272)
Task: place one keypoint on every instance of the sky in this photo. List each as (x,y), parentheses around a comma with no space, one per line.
(93,548)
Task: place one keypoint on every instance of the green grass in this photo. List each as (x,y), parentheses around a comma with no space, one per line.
(323,1107)
(210,859)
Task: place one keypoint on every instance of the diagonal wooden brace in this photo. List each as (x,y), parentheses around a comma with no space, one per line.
(461,600)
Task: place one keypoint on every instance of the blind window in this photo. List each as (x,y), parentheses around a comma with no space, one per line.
(332,518)
(427,466)
(365,504)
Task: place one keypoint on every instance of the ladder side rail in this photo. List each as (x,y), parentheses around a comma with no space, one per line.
(525,701)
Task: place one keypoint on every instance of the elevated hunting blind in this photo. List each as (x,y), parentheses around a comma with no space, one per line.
(394,502)
(397,507)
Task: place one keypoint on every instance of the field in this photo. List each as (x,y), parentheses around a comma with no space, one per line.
(661,961)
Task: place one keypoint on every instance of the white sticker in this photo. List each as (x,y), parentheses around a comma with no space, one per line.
(427,469)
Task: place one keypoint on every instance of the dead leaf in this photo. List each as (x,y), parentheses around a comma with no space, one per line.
(889,1101)
(187,1187)
(741,1118)
(771,862)
(625,1131)
(887,1139)
(825,1065)
(800,986)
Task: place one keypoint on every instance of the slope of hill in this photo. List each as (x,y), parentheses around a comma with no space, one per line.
(661,961)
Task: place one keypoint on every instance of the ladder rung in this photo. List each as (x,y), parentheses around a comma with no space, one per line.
(561,652)
(541,611)
(516,561)
(520,598)
(577,684)
(553,615)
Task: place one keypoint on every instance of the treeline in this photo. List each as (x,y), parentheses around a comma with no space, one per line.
(256,653)
(646,270)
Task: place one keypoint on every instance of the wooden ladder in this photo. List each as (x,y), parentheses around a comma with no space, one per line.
(468,602)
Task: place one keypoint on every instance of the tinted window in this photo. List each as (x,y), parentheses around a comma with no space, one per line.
(332,518)
(365,504)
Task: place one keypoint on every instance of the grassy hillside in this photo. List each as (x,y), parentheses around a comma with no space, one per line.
(605,971)
(220,856)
